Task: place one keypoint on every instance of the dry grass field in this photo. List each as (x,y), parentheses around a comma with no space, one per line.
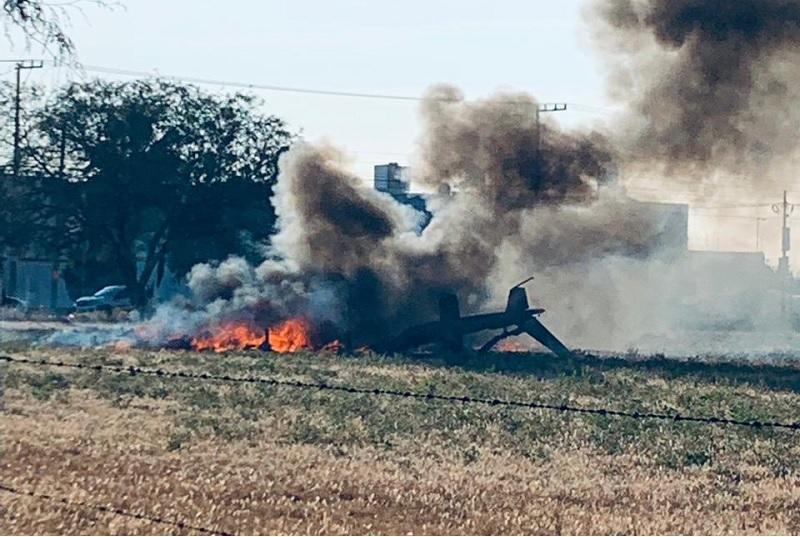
(242,458)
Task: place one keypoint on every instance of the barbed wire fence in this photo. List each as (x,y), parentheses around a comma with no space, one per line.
(430,397)
(375,392)
(73,504)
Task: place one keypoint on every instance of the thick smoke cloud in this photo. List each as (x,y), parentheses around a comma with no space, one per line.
(518,200)
(711,85)
(496,150)
(710,88)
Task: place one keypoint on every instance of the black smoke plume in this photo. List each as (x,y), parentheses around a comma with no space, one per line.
(711,85)
(510,198)
(362,251)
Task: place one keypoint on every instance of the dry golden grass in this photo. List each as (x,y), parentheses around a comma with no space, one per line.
(244,460)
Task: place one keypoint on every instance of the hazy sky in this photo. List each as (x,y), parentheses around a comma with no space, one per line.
(365,46)
(377,46)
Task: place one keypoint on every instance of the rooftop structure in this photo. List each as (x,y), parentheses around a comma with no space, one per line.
(392,178)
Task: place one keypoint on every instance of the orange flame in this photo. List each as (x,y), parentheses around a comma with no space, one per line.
(510,345)
(230,336)
(290,336)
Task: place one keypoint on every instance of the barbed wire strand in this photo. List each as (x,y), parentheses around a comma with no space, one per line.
(108,509)
(465,399)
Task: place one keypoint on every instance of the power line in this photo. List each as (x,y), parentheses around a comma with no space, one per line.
(693,198)
(702,192)
(109,509)
(743,206)
(632,192)
(381,153)
(247,85)
(590,109)
(465,399)
(290,89)
(740,216)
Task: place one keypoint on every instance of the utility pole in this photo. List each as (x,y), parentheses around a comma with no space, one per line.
(544,109)
(19,66)
(785,209)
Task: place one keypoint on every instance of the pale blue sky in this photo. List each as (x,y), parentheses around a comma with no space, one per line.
(367,46)
(537,46)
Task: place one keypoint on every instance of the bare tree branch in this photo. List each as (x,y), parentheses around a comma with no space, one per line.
(46,23)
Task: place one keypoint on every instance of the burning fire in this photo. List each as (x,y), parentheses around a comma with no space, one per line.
(510,345)
(290,336)
(230,336)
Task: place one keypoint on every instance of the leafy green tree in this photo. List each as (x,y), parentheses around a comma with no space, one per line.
(132,176)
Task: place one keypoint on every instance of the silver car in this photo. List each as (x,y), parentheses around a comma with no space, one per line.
(106,299)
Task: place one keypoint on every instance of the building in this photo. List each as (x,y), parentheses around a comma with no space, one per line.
(392,179)
(395,180)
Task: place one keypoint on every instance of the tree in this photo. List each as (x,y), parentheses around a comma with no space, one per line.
(45,22)
(134,175)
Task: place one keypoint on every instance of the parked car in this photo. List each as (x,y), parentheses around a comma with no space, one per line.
(106,299)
